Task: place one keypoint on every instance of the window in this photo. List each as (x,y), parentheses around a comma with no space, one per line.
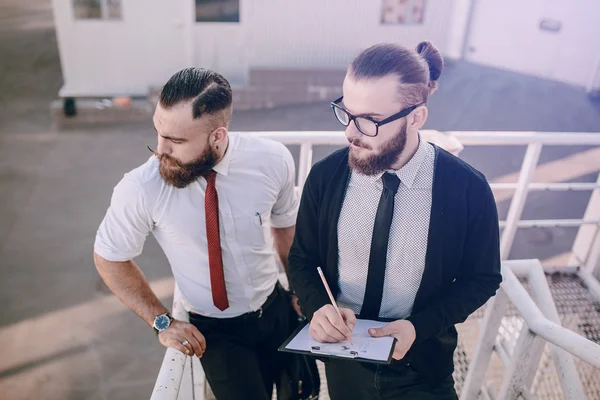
(114,9)
(402,12)
(97,9)
(217,10)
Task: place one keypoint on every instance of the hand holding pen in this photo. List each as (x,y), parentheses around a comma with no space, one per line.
(331,323)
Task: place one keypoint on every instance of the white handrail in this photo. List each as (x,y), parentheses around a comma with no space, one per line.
(539,223)
(170,375)
(563,361)
(562,337)
(491,138)
(536,324)
(515,210)
(558,187)
(525,138)
(168,382)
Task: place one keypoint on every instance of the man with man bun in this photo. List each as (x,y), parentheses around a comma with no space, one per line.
(404,232)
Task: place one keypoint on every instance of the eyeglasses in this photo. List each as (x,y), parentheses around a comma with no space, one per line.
(366,125)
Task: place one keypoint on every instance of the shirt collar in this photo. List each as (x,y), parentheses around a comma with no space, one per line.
(222,166)
(408,173)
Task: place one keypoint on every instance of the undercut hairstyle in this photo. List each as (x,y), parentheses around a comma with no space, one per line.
(417,70)
(208,91)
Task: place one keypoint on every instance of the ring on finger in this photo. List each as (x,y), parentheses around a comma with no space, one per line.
(185,343)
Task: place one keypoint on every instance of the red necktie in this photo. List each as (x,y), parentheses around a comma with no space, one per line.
(213,237)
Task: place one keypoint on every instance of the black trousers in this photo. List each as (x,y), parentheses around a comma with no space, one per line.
(350,380)
(241,360)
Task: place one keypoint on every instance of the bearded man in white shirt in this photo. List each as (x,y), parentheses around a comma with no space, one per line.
(220,205)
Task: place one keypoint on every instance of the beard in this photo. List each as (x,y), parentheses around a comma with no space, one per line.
(180,175)
(376,163)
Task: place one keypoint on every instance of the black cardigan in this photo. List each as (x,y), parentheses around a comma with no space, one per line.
(462,264)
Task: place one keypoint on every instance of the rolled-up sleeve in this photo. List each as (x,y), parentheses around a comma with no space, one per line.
(285,209)
(127,222)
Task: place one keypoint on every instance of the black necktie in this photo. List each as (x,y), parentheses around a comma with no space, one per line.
(379,245)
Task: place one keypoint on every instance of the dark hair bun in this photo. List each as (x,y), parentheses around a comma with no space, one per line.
(433,57)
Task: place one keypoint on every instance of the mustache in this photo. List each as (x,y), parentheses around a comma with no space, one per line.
(165,157)
(359,144)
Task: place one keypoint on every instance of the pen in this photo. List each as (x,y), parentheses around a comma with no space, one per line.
(333,352)
(331,298)
(259,218)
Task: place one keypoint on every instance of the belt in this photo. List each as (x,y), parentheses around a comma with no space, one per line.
(251,314)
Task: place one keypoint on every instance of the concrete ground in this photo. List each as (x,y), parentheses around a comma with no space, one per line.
(63,336)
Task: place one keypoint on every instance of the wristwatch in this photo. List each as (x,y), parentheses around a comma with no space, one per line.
(162,322)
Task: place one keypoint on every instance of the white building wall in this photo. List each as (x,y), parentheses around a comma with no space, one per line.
(506,34)
(223,47)
(155,38)
(308,34)
(329,34)
(114,57)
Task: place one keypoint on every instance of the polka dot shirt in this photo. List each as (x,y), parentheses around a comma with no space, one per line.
(408,235)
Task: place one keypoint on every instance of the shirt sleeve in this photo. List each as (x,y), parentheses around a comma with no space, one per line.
(285,209)
(127,222)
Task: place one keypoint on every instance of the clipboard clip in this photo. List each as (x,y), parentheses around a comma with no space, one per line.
(332,351)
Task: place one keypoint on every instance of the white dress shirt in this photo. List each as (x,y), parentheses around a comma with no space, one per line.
(255,187)
(407,246)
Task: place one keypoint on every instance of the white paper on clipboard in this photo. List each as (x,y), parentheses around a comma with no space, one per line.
(363,345)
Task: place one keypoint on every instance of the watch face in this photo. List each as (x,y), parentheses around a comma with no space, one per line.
(161,322)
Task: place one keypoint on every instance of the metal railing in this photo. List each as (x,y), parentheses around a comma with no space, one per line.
(181,376)
(541,324)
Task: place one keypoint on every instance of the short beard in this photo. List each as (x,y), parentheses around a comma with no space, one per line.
(377,163)
(183,174)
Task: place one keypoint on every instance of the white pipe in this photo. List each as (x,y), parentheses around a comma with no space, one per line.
(564,338)
(551,223)
(586,247)
(305,163)
(316,138)
(178,311)
(494,311)
(592,262)
(488,393)
(170,374)
(526,357)
(517,204)
(524,138)
(567,372)
(502,351)
(527,396)
(558,187)
(491,138)
(520,267)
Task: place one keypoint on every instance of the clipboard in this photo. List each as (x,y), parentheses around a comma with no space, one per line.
(333,351)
